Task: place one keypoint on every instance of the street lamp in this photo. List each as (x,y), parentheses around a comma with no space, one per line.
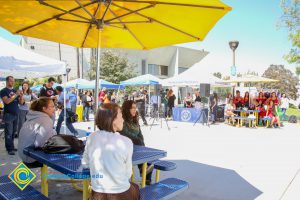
(233,45)
(68,71)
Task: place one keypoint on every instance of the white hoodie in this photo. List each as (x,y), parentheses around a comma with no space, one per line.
(37,129)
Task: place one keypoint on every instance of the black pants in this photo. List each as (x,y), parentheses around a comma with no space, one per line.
(141,109)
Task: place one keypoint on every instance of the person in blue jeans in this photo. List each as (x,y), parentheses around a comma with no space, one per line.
(11,98)
(73,100)
(59,91)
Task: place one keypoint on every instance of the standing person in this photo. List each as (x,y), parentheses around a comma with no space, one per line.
(197,99)
(59,91)
(73,100)
(109,154)
(24,108)
(114,97)
(284,103)
(10,98)
(171,102)
(37,129)
(47,89)
(101,96)
(238,100)
(132,130)
(246,100)
(87,103)
(213,104)
(164,97)
(140,99)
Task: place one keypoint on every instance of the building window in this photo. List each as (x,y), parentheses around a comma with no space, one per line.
(158,70)
(163,70)
(153,69)
(143,67)
(181,69)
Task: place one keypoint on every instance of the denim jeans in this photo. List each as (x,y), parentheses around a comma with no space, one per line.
(141,109)
(68,123)
(21,119)
(86,113)
(213,113)
(10,129)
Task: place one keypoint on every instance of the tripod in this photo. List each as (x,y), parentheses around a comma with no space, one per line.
(204,117)
(159,115)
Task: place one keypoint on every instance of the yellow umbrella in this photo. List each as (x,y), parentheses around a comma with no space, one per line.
(138,24)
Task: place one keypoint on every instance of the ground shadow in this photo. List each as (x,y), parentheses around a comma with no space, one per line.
(208,182)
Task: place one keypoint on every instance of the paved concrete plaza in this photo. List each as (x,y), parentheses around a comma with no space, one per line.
(220,162)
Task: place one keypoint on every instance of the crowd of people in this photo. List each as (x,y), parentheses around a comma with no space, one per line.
(270,105)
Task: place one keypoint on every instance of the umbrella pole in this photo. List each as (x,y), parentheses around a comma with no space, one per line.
(97,73)
(65,110)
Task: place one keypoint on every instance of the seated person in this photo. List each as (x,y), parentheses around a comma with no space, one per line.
(109,154)
(188,101)
(261,98)
(37,129)
(272,113)
(238,100)
(132,130)
(229,108)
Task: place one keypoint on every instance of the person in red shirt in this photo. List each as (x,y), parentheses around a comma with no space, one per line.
(238,100)
(247,100)
(260,99)
(272,113)
(101,96)
(274,98)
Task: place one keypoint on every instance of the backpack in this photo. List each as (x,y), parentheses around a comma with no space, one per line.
(293,119)
(71,116)
(63,144)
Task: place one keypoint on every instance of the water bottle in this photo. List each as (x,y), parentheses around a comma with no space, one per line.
(88,133)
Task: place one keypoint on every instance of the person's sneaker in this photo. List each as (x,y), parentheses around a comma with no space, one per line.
(11,153)
(15,149)
(145,123)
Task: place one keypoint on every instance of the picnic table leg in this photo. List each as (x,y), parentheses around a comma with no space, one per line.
(44,180)
(157,176)
(256,115)
(144,169)
(85,193)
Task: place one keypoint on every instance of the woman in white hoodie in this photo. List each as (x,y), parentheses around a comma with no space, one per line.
(108,155)
(37,129)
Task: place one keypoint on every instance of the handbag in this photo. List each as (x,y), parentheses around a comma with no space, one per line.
(63,144)
(72,117)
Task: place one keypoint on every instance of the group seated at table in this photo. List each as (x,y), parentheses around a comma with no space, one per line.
(266,104)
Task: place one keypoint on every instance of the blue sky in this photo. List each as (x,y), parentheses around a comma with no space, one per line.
(254,24)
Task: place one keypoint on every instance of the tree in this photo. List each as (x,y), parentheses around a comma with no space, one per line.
(291,20)
(218,75)
(114,67)
(287,81)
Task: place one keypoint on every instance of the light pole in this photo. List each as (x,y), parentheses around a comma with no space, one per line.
(233,45)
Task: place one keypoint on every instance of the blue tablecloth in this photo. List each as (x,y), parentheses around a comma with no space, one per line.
(70,164)
(189,114)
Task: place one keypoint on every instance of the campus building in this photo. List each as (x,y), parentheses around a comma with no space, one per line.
(162,62)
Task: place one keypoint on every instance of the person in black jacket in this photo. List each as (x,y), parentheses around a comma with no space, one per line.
(171,102)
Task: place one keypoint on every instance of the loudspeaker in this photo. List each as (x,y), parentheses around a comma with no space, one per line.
(157,89)
(204,90)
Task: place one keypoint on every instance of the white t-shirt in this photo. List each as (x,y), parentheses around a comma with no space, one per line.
(285,103)
(109,157)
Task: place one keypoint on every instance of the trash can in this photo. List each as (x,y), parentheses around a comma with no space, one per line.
(79,112)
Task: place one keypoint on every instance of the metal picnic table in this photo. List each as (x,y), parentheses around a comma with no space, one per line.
(70,164)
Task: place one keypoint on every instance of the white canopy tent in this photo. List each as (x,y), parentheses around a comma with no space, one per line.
(193,76)
(20,63)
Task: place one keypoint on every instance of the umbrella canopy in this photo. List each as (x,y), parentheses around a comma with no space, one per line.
(102,83)
(77,83)
(20,62)
(250,79)
(137,24)
(146,79)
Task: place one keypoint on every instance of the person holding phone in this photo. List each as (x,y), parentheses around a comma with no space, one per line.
(24,108)
(11,98)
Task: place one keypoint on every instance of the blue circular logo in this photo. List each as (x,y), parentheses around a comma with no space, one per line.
(186,115)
